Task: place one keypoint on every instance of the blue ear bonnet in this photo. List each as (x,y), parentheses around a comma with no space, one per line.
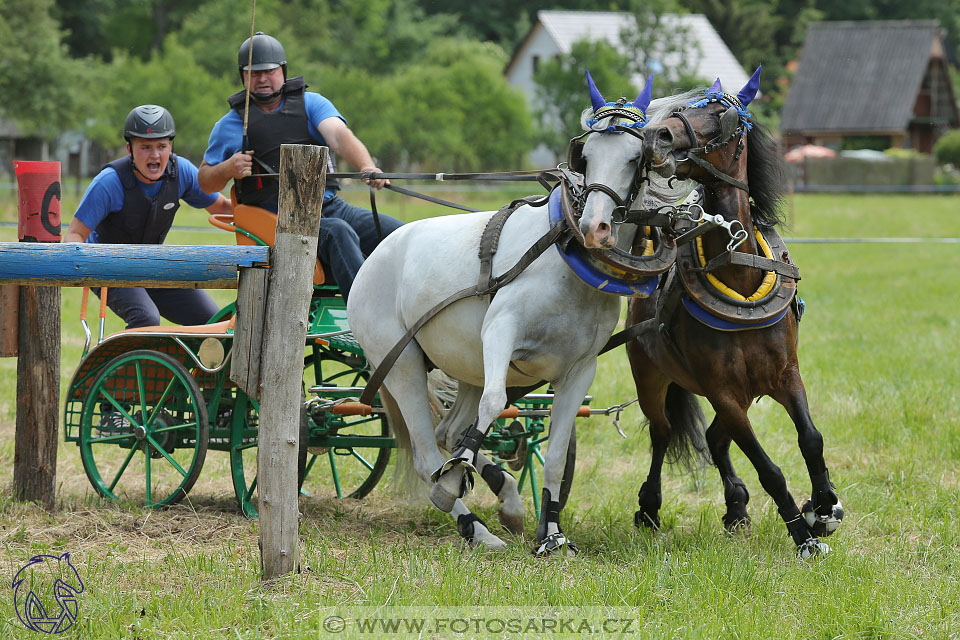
(739,102)
(632,115)
(625,114)
(726,100)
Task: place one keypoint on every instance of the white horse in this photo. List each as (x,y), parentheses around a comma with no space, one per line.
(545,325)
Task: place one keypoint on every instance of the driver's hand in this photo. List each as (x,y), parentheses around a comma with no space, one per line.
(241,164)
(376,184)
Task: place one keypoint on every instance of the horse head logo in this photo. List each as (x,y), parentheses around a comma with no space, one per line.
(45,594)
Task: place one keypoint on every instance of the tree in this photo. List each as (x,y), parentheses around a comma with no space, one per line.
(562,89)
(83,23)
(43,86)
(214,32)
(946,11)
(457,112)
(760,32)
(171,78)
(506,22)
(654,43)
(658,43)
(379,36)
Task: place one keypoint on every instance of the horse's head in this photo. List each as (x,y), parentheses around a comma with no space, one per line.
(705,138)
(610,156)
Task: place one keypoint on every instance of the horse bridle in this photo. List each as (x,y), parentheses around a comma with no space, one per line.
(734,122)
(576,163)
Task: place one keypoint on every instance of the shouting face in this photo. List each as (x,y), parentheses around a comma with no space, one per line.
(150,156)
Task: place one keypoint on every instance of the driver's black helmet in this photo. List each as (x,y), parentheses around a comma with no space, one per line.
(149,121)
(267,54)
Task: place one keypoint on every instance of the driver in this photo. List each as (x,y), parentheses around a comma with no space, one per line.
(281,111)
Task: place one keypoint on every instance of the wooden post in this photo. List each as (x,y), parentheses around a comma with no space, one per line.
(248,330)
(38,337)
(302,180)
(38,396)
(9,319)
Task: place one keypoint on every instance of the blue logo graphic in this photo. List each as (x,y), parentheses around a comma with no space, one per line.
(33,586)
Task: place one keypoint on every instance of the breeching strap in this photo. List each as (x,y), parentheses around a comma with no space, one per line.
(494,284)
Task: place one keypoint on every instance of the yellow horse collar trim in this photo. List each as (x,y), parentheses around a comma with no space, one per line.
(769,280)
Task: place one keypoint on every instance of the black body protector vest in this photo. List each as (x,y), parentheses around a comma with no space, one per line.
(265,133)
(141,220)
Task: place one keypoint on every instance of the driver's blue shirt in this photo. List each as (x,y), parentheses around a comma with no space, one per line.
(105,194)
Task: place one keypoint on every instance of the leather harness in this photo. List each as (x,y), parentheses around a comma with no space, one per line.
(487,284)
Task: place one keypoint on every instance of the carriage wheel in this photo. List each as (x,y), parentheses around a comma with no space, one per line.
(143,430)
(224,313)
(341,464)
(244,432)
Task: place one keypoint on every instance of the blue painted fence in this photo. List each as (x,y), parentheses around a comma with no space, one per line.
(127,265)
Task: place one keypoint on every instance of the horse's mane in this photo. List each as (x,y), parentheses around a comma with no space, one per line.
(765,177)
(765,170)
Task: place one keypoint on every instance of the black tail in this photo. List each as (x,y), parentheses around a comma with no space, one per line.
(688,446)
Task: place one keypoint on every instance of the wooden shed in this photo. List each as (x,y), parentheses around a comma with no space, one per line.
(871,84)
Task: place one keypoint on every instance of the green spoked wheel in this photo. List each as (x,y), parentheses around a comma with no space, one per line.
(224,313)
(143,430)
(348,452)
(244,433)
(534,459)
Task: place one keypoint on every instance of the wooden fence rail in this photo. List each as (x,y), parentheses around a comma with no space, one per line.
(124,265)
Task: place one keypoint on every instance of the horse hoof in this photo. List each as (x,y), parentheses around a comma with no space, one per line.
(486,540)
(512,522)
(441,498)
(812,547)
(736,523)
(822,525)
(446,477)
(643,519)
(510,512)
(555,544)
(472,529)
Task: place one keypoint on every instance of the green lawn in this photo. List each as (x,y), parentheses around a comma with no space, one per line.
(881,360)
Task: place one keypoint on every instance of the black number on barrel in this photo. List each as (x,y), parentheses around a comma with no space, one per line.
(53,191)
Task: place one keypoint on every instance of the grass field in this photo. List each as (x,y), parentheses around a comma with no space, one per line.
(881,360)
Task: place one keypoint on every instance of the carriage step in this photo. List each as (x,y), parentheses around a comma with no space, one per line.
(342,342)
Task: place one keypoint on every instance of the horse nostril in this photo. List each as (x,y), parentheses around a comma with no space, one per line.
(603,228)
(664,137)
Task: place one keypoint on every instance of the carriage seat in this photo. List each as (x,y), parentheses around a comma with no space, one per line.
(255,225)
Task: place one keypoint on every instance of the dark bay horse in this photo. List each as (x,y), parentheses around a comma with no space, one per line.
(727,314)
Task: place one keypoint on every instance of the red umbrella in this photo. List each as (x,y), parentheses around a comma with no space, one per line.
(797,154)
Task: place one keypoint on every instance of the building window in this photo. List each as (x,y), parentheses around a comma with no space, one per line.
(536,63)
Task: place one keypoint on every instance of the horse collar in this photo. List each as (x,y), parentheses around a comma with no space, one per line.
(709,304)
(635,276)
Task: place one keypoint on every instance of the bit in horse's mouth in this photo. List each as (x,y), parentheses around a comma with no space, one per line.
(666,167)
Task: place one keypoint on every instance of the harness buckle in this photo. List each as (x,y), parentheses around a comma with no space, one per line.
(693,212)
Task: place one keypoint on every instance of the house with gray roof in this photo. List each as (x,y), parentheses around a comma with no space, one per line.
(872,84)
(554,33)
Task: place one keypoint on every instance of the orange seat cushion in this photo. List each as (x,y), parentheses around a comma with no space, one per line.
(263,224)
